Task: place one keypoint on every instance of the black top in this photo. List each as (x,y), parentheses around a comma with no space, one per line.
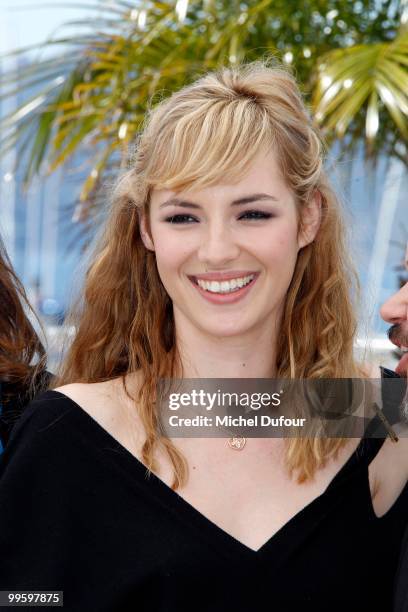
(78,514)
(14,397)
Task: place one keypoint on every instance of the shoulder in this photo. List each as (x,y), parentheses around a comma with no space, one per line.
(54,419)
(43,423)
(61,427)
(41,411)
(389,468)
(107,393)
(41,448)
(97,399)
(394,454)
(111,405)
(106,402)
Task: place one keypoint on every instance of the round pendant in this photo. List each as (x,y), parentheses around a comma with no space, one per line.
(237,443)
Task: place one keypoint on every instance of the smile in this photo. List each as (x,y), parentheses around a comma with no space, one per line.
(227,286)
(224,288)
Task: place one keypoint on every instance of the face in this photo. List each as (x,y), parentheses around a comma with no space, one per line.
(226,254)
(395,311)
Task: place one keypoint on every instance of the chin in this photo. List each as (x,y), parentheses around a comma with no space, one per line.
(227,329)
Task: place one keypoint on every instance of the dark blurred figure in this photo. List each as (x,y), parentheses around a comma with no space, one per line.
(22,356)
(395,311)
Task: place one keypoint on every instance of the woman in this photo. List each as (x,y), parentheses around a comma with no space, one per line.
(223,254)
(22,356)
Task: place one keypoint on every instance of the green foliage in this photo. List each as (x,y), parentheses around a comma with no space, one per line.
(350,56)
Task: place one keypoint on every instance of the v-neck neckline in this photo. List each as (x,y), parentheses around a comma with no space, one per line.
(174,502)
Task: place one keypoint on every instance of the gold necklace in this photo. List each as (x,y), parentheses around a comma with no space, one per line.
(236,442)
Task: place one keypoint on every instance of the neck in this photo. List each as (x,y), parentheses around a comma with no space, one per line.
(249,355)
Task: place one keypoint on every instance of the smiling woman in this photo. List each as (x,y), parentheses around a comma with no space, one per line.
(247,242)
(223,256)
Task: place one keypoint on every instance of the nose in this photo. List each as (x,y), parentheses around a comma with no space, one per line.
(395,309)
(218,247)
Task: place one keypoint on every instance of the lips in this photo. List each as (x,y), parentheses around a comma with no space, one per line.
(221,276)
(224,287)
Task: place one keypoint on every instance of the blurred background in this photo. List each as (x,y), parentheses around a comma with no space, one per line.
(75,82)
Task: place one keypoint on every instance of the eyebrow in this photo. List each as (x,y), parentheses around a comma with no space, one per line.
(256,197)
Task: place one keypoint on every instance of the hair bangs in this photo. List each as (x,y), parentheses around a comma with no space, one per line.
(209,145)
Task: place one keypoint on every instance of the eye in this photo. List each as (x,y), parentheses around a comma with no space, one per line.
(181,219)
(255,214)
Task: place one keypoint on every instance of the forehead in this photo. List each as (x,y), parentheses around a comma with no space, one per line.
(263,175)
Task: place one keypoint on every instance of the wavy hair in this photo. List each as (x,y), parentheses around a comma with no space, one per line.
(21,350)
(22,354)
(206,132)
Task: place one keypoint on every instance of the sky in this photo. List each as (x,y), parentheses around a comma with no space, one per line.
(27,22)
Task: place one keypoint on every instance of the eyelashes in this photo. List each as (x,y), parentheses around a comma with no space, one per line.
(250,215)
(255,214)
(179,219)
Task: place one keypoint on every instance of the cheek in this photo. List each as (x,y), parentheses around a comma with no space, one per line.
(171,255)
(279,246)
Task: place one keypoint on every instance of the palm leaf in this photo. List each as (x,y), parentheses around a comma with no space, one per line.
(113,68)
(353,80)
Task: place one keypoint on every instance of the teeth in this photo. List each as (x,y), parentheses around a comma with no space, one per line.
(225,286)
